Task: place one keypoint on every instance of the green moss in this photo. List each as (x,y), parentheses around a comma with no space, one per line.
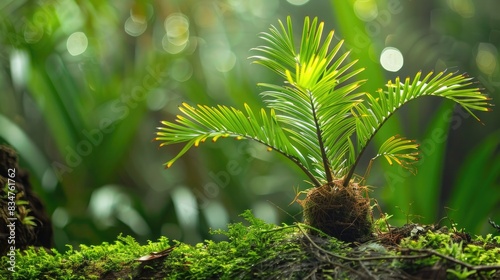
(461,254)
(258,250)
(89,262)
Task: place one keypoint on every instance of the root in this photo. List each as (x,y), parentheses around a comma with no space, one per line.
(341,212)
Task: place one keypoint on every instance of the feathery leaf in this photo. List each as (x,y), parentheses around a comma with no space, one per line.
(316,118)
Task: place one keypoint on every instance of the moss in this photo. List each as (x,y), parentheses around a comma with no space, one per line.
(89,262)
(257,250)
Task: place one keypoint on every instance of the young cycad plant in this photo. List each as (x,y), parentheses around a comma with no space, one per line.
(319,120)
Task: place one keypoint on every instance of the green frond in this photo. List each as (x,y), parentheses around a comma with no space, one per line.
(316,117)
(315,102)
(196,125)
(373,113)
(400,150)
(280,53)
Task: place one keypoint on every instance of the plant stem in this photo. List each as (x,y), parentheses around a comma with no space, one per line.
(326,164)
(345,183)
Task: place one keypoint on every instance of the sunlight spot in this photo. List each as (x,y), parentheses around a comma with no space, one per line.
(297,2)
(60,217)
(181,70)
(103,202)
(49,180)
(391,59)
(218,56)
(486,58)
(77,43)
(135,26)
(177,28)
(171,48)
(224,60)
(264,211)
(19,67)
(366,10)
(177,33)
(70,14)
(109,203)
(465,8)
(157,99)
(216,215)
(186,207)
(129,216)
(263,8)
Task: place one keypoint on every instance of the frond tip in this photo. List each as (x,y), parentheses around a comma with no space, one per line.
(400,150)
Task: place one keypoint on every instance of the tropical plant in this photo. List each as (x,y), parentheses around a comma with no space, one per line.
(319,120)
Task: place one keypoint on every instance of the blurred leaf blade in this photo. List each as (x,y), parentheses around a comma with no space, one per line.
(475,194)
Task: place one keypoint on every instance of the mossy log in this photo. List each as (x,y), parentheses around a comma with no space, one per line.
(257,250)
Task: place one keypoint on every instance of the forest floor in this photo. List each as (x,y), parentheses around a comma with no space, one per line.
(258,250)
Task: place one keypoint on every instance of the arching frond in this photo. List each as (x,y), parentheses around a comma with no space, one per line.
(196,125)
(378,108)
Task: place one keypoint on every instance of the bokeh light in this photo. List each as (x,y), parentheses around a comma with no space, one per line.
(177,33)
(77,43)
(464,8)
(366,10)
(109,203)
(265,211)
(486,58)
(216,215)
(156,100)
(391,59)
(224,60)
(263,8)
(60,217)
(135,26)
(19,65)
(181,70)
(298,2)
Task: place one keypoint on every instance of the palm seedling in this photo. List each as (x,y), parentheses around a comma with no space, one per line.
(319,120)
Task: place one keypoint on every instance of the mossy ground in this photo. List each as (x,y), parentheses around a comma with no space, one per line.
(265,251)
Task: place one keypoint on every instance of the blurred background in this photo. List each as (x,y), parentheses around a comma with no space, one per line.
(84,84)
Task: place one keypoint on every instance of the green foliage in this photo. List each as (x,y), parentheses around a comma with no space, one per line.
(257,250)
(247,246)
(89,262)
(55,96)
(481,169)
(317,113)
(481,251)
(439,166)
(22,206)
